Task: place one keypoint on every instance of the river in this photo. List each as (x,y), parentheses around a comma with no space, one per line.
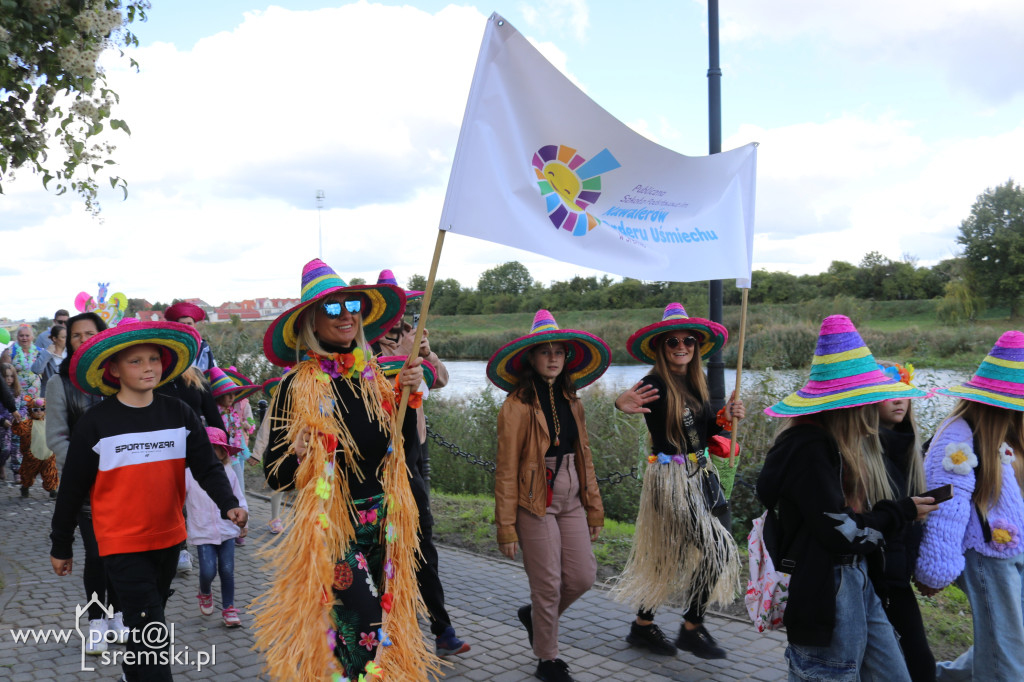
(467,378)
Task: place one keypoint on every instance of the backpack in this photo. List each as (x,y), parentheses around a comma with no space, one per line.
(768,588)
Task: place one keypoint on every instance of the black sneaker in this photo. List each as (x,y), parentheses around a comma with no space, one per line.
(24,492)
(699,642)
(651,637)
(553,671)
(526,618)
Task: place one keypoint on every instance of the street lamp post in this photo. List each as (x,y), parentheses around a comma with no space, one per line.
(319,225)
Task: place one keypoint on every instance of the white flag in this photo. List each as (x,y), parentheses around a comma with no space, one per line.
(541,167)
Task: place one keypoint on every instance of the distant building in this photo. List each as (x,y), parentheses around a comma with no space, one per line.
(252,309)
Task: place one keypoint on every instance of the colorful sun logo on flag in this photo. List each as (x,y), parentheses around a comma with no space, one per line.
(570,185)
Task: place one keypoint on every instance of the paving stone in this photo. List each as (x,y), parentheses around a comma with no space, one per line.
(483,595)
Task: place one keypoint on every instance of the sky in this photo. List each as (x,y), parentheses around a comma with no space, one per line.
(879,124)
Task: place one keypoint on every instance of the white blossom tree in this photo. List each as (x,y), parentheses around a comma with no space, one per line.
(54,99)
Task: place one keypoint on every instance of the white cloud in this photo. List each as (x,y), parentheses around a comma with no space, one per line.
(565,17)
(978,44)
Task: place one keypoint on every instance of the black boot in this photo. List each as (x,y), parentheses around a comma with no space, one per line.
(24,492)
(650,637)
(526,618)
(553,671)
(699,642)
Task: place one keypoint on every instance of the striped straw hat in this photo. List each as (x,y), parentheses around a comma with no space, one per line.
(999,380)
(642,343)
(383,306)
(587,355)
(222,384)
(178,345)
(843,374)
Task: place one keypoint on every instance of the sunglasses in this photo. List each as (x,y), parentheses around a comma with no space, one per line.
(333,310)
(674,341)
(37,409)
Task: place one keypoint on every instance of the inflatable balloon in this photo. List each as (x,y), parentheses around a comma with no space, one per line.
(5,337)
(110,310)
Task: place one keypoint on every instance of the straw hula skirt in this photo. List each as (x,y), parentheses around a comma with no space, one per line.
(680,551)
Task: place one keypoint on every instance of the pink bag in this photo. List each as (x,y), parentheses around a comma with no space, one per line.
(767,589)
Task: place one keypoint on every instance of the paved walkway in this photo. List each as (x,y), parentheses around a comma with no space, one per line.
(483,595)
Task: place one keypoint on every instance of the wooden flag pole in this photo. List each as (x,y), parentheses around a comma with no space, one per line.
(424,309)
(733,443)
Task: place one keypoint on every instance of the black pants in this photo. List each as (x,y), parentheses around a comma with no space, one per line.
(427,575)
(905,616)
(94,575)
(142,581)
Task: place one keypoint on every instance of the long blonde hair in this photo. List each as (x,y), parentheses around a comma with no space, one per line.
(855,430)
(915,459)
(681,391)
(992,426)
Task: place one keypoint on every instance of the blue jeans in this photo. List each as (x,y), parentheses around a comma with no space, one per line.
(214,558)
(863,647)
(995,588)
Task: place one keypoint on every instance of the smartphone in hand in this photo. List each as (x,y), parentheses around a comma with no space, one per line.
(940,494)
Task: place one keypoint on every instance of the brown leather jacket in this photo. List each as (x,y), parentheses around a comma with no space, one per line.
(520,478)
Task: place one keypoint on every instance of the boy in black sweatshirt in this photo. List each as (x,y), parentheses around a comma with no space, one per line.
(128,456)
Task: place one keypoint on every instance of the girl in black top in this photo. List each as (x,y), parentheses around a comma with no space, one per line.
(681,552)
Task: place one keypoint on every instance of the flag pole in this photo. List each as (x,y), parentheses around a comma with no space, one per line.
(733,444)
(424,309)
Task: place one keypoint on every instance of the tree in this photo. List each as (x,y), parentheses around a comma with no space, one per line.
(356,281)
(51,89)
(507,278)
(993,241)
(418,283)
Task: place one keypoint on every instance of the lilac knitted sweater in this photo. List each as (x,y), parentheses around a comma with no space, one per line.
(955,526)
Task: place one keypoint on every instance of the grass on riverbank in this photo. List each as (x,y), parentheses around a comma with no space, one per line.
(467,522)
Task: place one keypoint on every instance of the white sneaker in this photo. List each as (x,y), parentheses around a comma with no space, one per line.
(184,562)
(96,637)
(116,624)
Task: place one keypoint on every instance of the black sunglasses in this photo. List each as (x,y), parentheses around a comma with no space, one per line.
(333,310)
(674,341)
(37,409)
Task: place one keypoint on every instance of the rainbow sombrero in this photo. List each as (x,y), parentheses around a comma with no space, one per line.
(270,386)
(178,344)
(999,380)
(392,364)
(588,356)
(641,343)
(222,384)
(843,374)
(388,277)
(386,305)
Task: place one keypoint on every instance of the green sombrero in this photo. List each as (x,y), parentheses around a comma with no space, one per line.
(222,383)
(386,305)
(712,335)
(178,345)
(587,359)
(392,364)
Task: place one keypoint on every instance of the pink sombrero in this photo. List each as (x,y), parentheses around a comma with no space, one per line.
(184,309)
(388,277)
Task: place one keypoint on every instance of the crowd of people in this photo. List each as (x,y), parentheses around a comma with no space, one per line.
(140,417)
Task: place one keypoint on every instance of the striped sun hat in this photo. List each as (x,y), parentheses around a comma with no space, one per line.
(641,344)
(587,359)
(391,365)
(999,380)
(843,374)
(223,384)
(386,305)
(388,277)
(178,345)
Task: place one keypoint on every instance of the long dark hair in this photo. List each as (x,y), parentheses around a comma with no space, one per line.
(65,365)
(526,387)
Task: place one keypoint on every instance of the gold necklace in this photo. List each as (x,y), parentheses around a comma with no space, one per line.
(554,412)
